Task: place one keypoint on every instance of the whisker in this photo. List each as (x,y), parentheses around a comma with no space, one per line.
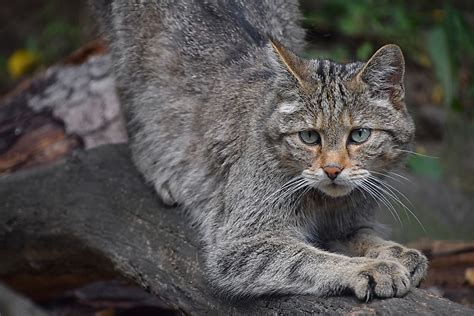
(289,183)
(382,194)
(385,175)
(291,189)
(417,154)
(379,191)
(376,197)
(400,176)
(374,191)
(303,192)
(382,197)
(395,198)
(389,186)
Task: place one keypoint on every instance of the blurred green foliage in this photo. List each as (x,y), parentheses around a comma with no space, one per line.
(427,166)
(431,35)
(451,46)
(49,30)
(62,33)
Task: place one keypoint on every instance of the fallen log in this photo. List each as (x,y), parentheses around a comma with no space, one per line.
(93,212)
(13,304)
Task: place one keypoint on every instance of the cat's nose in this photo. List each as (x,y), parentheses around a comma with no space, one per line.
(332,171)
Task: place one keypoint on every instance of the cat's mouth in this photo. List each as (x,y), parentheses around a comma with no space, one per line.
(333,189)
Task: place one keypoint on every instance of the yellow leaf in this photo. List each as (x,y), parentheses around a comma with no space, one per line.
(20,62)
(437,94)
(438,15)
(469,274)
(424,60)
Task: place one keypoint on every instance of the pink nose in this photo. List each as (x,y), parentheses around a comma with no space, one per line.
(332,171)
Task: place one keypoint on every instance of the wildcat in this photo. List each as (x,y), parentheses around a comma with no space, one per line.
(277,158)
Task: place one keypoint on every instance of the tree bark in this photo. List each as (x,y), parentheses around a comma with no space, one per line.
(69,105)
(93,212)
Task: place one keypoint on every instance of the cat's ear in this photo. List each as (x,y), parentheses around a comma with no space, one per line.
(296,66)
(384,72)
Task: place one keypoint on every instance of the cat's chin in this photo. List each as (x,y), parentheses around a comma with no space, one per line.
(336,190)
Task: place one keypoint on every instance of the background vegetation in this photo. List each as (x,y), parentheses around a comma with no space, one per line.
(434,36)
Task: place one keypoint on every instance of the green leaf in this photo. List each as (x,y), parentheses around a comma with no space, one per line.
(31,43)
(438,49)
(363,51)
(426,166)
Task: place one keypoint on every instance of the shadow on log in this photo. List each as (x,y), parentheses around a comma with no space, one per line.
(93,212)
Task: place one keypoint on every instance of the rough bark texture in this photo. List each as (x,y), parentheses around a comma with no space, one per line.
(93,212)
(70,105)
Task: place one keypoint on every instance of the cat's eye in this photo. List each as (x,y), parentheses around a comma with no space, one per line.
(310,137)
(359,135)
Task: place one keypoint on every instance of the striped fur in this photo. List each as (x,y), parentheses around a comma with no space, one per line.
(215,101)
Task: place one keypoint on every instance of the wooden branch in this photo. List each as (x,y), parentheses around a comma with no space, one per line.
(93,212)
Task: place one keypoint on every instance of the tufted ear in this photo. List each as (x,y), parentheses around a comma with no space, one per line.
(296,66)
(384,72)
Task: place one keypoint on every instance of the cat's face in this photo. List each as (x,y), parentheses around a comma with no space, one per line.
(344,125)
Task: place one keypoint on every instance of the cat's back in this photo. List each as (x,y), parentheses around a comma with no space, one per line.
(178,66)
(195,35)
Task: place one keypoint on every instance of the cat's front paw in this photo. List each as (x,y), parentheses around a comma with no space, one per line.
(412,259)
(380,278)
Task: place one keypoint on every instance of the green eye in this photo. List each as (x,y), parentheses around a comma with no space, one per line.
(310,137)
(359,135)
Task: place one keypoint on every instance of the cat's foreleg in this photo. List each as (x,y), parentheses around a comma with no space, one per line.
(368,244)
(265,264)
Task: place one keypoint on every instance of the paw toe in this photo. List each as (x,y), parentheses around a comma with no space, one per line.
(382,279)
(416,263)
